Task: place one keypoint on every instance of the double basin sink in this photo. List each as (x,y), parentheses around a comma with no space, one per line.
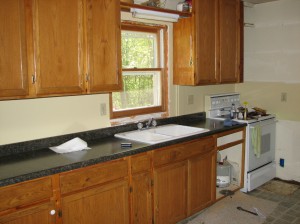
(161,133)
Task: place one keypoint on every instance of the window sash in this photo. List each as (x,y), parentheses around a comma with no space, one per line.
(162,41)
(147,91)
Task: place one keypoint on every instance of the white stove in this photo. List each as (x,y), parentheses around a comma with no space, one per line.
(259,156)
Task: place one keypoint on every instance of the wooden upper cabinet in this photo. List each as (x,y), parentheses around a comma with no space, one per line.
(53,48)
(206,39)
(207,45)
(13,51)
(103,45)
(58,46)
(229,41)
(183,51)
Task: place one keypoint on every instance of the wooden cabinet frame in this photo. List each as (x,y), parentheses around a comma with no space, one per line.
(208,46)
(63,48)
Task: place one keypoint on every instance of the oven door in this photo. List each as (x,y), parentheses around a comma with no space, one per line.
(267,152)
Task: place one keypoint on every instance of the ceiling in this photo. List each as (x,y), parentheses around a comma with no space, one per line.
(258,1)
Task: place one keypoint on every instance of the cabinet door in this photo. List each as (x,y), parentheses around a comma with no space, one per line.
(195,46)
(170,193)
(184,52)
(104,204)
(206,41)
(58,46)
(103,33)
(229,41)
(141,198)
(13,59)
(39,214)
(202,181)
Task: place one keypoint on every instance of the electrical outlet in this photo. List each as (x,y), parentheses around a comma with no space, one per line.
(283,97)
(190,99)
(103,109)
(281,162)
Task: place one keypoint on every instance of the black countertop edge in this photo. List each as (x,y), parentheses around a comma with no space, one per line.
(55,170)
(27,146)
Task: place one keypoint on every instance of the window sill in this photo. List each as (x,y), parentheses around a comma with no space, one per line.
(137,118)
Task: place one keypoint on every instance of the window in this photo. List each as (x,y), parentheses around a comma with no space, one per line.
(143,71)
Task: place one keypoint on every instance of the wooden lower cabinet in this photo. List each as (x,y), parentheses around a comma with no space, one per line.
(103,204)
(184,179)
(39,214)
(170,193)
(202,181)
(141,202)
(161,186)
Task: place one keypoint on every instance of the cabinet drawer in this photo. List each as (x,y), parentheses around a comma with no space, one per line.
(87,177)
(182,151)
(140,163)
(25,193)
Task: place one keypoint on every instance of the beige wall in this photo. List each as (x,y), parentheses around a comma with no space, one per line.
(22,120)
(272,67)
(198,93)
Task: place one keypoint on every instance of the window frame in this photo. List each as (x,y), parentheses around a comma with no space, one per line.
(161,67)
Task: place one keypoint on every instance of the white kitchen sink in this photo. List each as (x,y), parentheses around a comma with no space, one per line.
(161,133)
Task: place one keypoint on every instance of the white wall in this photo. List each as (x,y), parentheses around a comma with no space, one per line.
(272,67)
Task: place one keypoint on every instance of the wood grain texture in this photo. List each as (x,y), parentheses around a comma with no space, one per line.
(13,51)
(229,41)
(141,198)
(181,151)
(37,214)
(140,163)
(202,181)
(104,45)
(58,51)
(90,176)
(25,193)
(170,193)
(184,52)
(206,42)
(103,204)
(213,36)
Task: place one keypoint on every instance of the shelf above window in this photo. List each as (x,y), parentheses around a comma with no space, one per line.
(127,6)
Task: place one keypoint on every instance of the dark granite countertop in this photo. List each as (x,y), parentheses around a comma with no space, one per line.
(33,159)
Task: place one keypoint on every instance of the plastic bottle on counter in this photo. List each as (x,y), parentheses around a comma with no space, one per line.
(232,111)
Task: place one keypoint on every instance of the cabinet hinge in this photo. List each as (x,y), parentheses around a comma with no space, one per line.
(130,189)
(33,78)
(87,77)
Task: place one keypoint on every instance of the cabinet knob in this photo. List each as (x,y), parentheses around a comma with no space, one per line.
(52,212)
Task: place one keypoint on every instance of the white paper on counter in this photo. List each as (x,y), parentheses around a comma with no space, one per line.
(75,144)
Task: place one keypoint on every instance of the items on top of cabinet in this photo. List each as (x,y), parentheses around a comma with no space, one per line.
(169,7)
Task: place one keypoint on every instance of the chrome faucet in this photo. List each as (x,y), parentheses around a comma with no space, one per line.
(150,122)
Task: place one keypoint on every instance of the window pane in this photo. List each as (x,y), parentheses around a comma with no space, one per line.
(139,49)
(141,89)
